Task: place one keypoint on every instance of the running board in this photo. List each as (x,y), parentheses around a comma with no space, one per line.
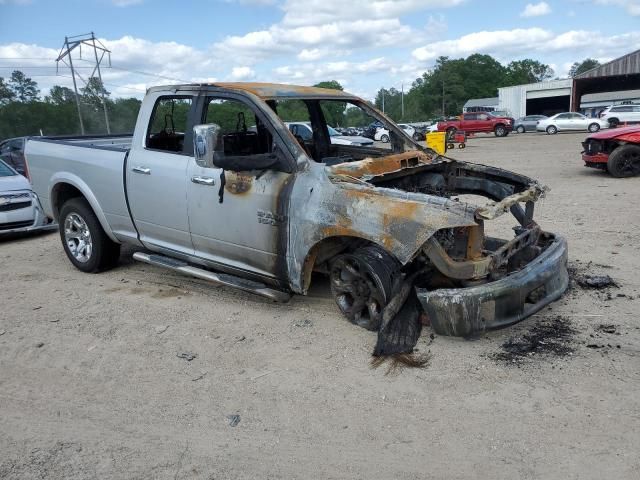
(217,278)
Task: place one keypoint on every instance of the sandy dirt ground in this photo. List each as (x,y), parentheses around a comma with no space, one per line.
(92,387)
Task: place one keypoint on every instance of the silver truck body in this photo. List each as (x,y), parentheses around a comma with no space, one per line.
(278,225)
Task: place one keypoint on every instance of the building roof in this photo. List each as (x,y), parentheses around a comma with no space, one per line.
(481,102)
(628,64)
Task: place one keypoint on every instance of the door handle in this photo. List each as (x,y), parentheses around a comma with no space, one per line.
(203,180)
(142,170)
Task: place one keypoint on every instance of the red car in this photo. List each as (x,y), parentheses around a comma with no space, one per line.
(478,122)
(616,150)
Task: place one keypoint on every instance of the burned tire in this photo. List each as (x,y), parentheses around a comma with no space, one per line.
(84,241)
(500,131)
(624,161)
(362,284)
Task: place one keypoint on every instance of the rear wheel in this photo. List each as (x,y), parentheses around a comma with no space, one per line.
(362,284)
(624,161)
(384,138)
(85,242)
(552,130)
(593,127)
(500,131)
(614,122)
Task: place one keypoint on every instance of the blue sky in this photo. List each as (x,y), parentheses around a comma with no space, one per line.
(364,44)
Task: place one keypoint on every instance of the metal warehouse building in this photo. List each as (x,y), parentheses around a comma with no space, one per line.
(617,81)
(543,98)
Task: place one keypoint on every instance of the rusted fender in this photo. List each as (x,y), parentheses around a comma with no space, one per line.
(398,221)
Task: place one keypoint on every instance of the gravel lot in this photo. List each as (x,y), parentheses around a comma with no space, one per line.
(91,385)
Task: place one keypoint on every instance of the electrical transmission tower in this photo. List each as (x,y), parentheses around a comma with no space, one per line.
(90,41)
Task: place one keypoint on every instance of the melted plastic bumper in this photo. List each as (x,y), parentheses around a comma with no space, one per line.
(465,312)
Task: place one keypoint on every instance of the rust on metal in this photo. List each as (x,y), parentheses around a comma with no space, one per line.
(372,167)
(238,182)
(268,91)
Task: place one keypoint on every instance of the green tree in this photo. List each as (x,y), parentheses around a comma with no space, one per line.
(60,95)
(333,111)
(6,94)
(24,89)
(527,71)
(580,67)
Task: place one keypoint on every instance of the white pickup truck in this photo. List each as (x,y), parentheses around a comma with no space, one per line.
(258,209)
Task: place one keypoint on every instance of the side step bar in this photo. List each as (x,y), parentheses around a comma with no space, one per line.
(217,278)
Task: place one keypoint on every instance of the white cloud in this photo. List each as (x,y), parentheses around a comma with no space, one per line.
(631,6)
(536,10)
(242,73)
(320,12)
(532,42)
(483,42)
(310,42)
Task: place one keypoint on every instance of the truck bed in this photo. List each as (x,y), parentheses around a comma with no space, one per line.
(121,142)
(92,164)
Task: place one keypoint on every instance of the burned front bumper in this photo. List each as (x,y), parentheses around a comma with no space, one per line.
(466,312)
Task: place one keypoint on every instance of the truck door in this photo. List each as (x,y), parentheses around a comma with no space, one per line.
(239,218)
(469,122)
(483,123)
(156,175)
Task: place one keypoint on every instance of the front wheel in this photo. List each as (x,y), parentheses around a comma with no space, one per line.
(593,127)
(501,131)
(362,284)
(624,161)
(84,241)
(384,138)
(551,130)
(520,129)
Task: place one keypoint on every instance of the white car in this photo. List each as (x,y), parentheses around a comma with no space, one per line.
(303,130)
(567,121)
(617,114)
(381,135)
(20,209)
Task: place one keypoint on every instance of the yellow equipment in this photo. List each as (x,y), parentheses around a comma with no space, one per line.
(437,141)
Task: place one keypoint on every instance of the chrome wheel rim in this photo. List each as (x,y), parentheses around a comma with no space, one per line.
(78,237)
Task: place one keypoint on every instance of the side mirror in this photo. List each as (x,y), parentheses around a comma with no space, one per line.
(205,139)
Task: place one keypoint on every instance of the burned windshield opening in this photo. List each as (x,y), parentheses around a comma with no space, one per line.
(333,131)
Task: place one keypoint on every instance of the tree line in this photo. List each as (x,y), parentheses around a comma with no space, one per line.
(443,90)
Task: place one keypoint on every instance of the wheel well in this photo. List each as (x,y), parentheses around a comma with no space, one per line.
(498,125)
(61,193)
(326,249)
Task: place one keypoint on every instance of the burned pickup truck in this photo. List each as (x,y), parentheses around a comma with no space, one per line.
(213,184)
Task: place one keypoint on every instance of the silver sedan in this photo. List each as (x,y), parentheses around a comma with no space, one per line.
(570,121)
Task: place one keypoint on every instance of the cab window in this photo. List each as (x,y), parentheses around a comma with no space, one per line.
(241,130)
(169,125)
